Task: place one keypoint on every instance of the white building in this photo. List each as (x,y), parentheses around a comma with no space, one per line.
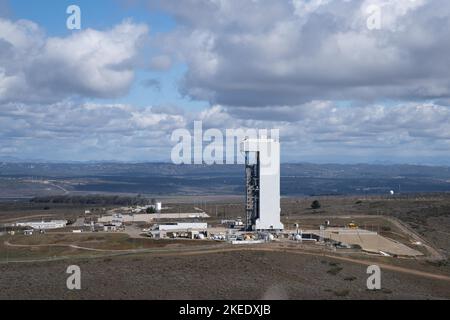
(181,229)
(110,227)
(157,207)
(183,226)
(149,217)
(262,168)
(44,225)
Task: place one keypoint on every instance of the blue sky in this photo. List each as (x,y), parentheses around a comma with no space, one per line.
(98,14)
(338,89)
(103,14)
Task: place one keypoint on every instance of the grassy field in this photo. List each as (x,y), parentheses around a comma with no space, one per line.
(53,246)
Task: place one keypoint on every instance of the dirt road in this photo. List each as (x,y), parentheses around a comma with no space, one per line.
(204,250)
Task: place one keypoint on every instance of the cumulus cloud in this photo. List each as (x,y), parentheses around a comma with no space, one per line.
(320,120)
(87,131)
(36,68)
(313,131)
(311,68)
(321,130)
(272,52)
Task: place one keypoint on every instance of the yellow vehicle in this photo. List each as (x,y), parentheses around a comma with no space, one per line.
(248,237)
(353,225)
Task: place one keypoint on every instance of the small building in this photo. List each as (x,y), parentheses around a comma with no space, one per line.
(183,226)
(233,224)
(179,230)
(43,225)
(117,220)
(109,228)
(186,234)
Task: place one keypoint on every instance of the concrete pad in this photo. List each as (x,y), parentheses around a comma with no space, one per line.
(368,241)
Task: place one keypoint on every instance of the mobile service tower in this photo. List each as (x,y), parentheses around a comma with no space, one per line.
(262,171)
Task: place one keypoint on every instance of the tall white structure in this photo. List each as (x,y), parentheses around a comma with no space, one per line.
(262,169)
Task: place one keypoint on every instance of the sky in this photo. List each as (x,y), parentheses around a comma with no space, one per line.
(344,81)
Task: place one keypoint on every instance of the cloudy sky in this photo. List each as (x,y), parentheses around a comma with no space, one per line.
(344,80)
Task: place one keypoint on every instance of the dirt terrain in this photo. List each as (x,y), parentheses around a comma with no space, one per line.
(230,275)
(115,266)
(428,215)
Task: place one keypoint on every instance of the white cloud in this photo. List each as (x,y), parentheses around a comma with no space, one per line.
(90,63)
(314,131)
(305,7)
(322,131)
(69,130)
(273,52)
(261,64)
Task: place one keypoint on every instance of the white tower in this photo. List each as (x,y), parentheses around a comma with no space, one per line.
(262,168)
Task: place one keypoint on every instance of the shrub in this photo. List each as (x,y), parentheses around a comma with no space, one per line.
(315,204)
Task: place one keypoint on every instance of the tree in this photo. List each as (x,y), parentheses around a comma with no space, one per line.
(151,210)
(315,205)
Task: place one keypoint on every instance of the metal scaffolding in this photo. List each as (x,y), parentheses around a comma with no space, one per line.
(252,191)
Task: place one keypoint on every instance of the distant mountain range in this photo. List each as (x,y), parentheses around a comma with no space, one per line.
(169,179)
